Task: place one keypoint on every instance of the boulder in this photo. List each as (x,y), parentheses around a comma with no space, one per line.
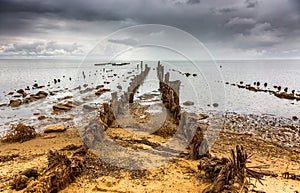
(15,103)
(55,128)
(188,103)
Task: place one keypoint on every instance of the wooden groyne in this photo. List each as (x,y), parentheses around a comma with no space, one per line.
(108,112)
(169,92)
(190,129)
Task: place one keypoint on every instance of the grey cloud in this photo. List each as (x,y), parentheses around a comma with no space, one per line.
(224,10)
(40,49)
(71,9)
(193,2)
(261,35)
(240,21)
(230,21)
(127,41)
(251,3)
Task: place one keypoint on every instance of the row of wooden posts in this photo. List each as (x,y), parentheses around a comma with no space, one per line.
(187,122)
(120,104)
(169,92)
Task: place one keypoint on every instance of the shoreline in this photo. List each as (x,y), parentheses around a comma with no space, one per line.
(273,141)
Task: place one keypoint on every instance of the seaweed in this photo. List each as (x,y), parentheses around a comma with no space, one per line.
(231,173)
(60,172)
(19,133)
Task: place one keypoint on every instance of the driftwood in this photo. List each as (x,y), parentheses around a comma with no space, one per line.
(230,173)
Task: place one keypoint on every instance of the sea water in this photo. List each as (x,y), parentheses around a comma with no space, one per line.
(205,86)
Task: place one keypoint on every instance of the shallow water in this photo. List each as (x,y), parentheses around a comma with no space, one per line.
(205,88)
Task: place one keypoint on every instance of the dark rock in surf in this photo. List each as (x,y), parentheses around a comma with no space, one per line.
(15,103)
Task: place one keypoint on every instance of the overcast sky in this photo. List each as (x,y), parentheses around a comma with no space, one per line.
(230,29)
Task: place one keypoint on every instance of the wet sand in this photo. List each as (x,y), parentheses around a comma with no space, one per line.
(179,175)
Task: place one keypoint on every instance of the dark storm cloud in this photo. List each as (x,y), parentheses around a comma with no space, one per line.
(251,3)
(254,23)
(193,1)
(71,9)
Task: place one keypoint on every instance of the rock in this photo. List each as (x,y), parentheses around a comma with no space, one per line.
(36,113)
(187,74)
(188,103)
(88,108)
(15,103)
(63,107)
(64,98)
(26,100)
(3,105)
(42,94)
(295,118)
(215,105)
(49,136)
(37,96)
(17,96)
(69,104)
(68,97)
(202,116)
(55,128)
(285,95)
(101,91)
(42,117)
(10,93)
(22,92)
(99,86)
